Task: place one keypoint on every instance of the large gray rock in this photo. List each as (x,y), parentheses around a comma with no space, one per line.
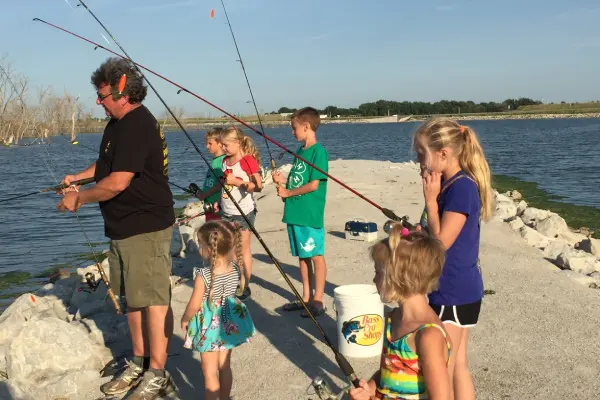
(533,237)
(571,237)
(552,226)
(579,278)
(590,245)
(578,261)
(555,248)
(532,215)
(51,348)
(521,207)
(60,290)
(516,224)
(505,207)
(105,328)
(72,385)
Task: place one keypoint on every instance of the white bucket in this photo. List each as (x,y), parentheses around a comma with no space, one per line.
(360,320)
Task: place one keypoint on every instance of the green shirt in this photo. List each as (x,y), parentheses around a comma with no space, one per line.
(307,209)
(217,165)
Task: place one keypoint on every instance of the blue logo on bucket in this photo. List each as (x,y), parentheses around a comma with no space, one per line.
(364,330)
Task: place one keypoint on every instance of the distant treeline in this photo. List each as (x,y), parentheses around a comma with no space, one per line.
(387,107)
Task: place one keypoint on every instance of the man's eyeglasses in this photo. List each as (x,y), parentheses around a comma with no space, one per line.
(101,97)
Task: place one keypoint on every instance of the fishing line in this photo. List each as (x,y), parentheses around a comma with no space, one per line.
(387,212)
(341,360)
(249,88)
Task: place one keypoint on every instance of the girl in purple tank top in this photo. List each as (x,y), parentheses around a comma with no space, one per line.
(458,195)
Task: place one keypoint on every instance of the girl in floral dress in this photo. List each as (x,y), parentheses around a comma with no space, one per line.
(215,320)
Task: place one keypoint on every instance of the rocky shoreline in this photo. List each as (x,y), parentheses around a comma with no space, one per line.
(573,251)
(63,340)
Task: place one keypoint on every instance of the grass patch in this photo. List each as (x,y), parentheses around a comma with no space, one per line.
(5,296)
(13,278)
(575,216)
(184,196)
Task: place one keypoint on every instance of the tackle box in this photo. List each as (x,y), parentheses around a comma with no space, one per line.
(360,229)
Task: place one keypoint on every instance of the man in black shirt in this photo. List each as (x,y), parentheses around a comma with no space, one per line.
(131,176)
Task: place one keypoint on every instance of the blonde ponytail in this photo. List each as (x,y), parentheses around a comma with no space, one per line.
(472,161)
(248,147)
(240,260)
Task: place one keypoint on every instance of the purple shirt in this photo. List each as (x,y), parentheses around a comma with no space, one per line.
(461,281)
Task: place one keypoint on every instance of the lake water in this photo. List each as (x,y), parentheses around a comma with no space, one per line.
(561,155)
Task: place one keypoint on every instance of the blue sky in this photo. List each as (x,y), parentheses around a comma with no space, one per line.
(319,53)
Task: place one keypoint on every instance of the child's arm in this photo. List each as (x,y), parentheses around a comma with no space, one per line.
(309,187)
(255,184)
(448,229)
(195,302)
(432,350)
(203,195)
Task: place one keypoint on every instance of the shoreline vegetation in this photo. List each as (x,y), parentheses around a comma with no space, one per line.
(37,114)
(271,121)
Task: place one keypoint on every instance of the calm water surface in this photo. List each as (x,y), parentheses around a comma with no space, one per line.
(561,155)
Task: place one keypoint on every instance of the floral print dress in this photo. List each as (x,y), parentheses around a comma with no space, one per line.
(224,324)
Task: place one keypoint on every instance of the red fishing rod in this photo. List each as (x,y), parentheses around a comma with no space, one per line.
(387,212)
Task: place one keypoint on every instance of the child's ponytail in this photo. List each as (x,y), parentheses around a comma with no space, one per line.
(240,258)
(248,147)
(214,244)
(473,162)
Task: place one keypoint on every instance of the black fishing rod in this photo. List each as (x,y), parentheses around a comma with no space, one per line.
(51,189)
(340,359)
(387,212)
(249,88)
(193,190)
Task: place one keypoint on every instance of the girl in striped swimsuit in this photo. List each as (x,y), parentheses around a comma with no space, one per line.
(215,320)
(416,347)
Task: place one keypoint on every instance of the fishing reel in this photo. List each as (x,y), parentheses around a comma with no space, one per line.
(325,392)
(194,189)
(91,283)
(387,227)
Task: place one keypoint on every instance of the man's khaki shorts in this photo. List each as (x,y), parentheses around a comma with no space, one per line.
(140,268)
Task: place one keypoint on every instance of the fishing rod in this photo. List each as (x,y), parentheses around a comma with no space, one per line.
(340,359)
(52,189)
(193,190)
(387,212)
(109,291)
(249,88)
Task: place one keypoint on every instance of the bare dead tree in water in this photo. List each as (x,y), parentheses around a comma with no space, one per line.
(19,117)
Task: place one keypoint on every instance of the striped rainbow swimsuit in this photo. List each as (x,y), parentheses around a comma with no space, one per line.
(401,376)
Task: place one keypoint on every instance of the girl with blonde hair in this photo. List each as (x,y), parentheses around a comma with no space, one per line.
(215,321)
(241,170)
(416,348)
(457,189)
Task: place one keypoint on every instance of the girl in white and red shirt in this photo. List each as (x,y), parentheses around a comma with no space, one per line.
(241,170)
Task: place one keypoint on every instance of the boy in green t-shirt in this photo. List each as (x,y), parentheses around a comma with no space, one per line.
(304,196)
(211,190)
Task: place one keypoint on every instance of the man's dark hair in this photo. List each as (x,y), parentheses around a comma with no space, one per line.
(308,114)
(110,73)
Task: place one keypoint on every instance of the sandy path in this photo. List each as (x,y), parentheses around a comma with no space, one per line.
(537,336)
